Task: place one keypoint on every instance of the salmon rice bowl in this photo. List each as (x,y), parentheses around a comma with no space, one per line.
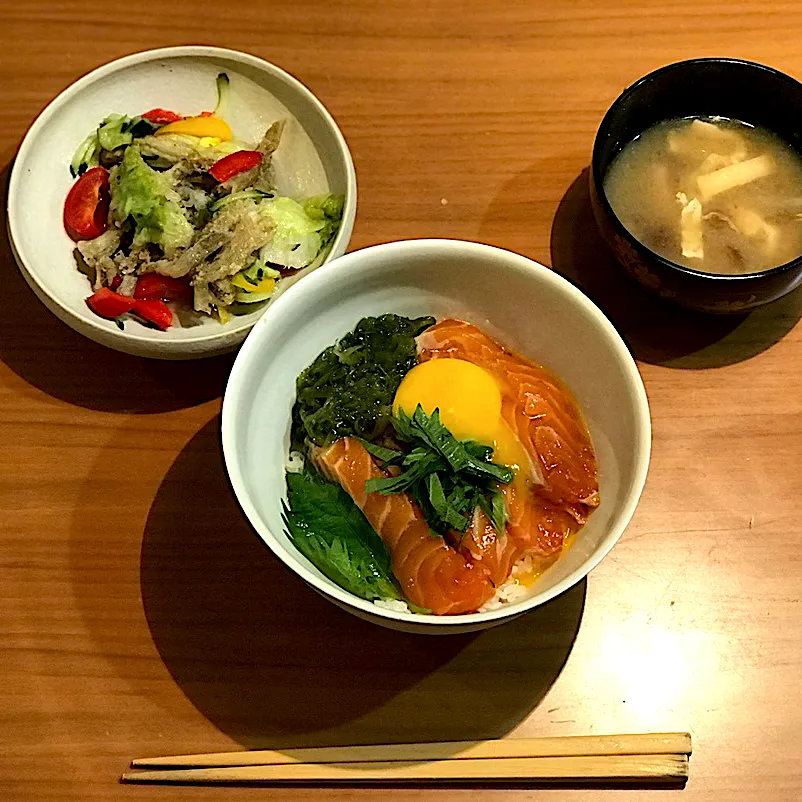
(433,470)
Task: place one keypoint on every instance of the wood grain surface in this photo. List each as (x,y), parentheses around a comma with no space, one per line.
(139,615)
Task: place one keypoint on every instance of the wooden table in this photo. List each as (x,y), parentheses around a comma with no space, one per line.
(139,615)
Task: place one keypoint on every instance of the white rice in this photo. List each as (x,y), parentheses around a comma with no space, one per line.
(395,605)
(294,462)
(512,590)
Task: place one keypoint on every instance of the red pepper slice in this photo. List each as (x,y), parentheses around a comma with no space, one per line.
(86,209)
(153,287)
(234,164)
(109,304)
(155,312)
(161,116)
(206,114)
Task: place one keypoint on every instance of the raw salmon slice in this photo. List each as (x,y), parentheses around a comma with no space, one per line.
(432,573)
(493,553)
(538,526)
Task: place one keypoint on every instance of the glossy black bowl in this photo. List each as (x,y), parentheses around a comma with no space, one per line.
(740,90)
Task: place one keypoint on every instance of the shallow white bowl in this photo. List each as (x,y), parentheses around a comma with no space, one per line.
(527,306)
(312,158)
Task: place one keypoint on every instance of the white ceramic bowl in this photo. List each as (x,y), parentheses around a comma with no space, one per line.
(527,306)
(312,158)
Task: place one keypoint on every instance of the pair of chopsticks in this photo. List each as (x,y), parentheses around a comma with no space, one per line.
(647,759)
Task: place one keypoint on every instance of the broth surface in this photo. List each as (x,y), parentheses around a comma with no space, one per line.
(712,194)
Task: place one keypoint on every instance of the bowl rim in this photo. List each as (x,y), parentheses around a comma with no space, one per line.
(338,245)
(598,179)
(363,261)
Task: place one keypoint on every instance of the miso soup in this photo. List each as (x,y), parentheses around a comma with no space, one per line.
(712,194)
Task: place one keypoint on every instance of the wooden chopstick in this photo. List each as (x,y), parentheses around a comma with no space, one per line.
(663,743)
(652,769)
(656,758)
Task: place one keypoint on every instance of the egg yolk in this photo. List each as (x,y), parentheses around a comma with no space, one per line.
(507,450)
(469,401)
(467,396)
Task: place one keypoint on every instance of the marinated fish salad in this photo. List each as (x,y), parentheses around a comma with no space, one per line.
(174,219)
(434,470)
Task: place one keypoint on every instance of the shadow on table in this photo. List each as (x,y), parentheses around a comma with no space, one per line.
(46,353)
(657,331)
(271,663)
